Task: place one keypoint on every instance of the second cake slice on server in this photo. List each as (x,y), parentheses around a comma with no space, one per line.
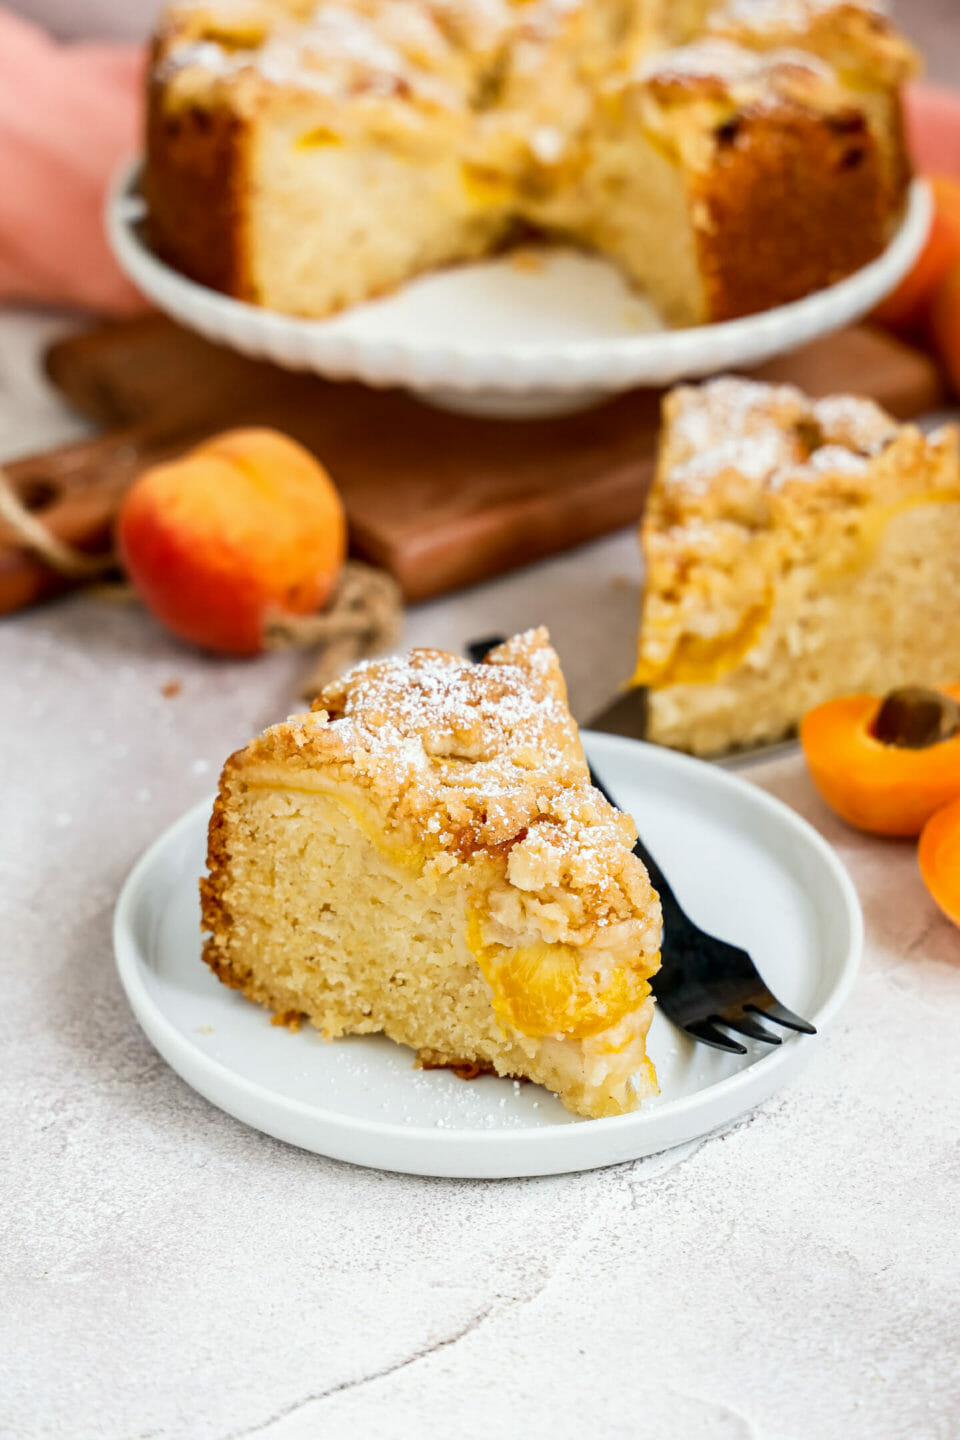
(423,855)
(795,550)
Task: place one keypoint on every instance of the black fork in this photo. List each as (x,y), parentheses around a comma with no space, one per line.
(704,982)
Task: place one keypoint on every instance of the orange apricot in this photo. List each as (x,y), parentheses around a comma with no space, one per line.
(879,784)
(945,324)
(246,525)
(933,128)
(908,306)
(939,857)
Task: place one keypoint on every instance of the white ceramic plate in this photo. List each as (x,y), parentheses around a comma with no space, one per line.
(744,865)
(508,338)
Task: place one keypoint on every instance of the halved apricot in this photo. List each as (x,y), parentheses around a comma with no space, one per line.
(945,324)
(939,856)
(879,786)
(908,307)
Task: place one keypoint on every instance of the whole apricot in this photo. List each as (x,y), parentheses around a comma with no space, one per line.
(246,525)
(907,308)
(939,856)
(945,324)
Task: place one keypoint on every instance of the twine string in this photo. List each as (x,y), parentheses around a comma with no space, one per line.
(363,617)
(33,535)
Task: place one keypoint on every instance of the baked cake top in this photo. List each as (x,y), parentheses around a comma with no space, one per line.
(754,480)
(717,67)
(761,456)
(337,51)
(761,490)
(775,15)
(775,18)
(465,760)
(461,53)
(768,435)
(855,35)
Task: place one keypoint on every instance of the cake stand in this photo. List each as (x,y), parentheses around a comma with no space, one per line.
(542,332)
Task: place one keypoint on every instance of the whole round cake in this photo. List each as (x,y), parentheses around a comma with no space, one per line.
(726,155)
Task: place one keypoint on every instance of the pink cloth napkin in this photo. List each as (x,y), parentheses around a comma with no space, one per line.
(933,127)
(69,114)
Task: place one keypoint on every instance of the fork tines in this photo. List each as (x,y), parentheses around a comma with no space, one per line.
(709,1033)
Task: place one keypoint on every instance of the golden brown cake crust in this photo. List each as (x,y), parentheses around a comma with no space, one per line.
(194,185)
(772,202)
(215,918)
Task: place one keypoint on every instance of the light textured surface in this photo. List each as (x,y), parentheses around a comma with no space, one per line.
(165,1272)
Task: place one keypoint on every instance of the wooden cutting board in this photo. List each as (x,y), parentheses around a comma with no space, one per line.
(439,500)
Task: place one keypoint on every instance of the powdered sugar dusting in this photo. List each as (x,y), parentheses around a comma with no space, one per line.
(340,51)
(857,423)
(776,15)
(478,758)
(471,733)
(204,54)
(728,62)
(768,434)
(486,24)
(347,47)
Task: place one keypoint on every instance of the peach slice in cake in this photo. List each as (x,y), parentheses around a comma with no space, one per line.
(423,855)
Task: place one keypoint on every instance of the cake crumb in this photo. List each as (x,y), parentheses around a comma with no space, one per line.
(290,1019)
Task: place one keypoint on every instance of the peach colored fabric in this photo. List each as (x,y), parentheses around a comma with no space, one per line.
(933,124)
(68,115)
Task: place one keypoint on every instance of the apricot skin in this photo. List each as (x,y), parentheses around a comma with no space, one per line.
(247,524)
(939,857)
(908,308)
(945,325)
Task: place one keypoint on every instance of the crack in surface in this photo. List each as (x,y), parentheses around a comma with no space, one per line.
(472,1324)
(720,1410)
(636,1181)
(920,940)
(502,1306)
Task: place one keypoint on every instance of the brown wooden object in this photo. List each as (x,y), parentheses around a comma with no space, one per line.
(439,500)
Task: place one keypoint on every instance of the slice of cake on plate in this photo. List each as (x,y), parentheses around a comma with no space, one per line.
(423,855)
(794,550)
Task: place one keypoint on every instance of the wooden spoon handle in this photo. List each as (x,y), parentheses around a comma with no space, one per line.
(75,491)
